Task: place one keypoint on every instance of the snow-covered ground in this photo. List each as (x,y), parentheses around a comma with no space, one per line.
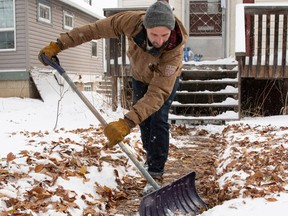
(60,156)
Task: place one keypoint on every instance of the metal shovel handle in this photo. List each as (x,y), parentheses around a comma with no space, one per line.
(55,63)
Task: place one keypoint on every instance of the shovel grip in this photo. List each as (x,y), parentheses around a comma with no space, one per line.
(54,62)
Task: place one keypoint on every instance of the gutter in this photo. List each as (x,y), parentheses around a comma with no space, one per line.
(83,9)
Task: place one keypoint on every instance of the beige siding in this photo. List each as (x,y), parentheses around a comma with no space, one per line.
(177,4)
(178,10)
(32,35)
(75,60)
(135,3)
(14,60)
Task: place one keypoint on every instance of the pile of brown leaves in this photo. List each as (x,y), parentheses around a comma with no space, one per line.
(254,163)
(29,180)
(240,161)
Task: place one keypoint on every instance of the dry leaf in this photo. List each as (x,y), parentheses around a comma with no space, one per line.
(271,199)
(10,157)
(39,168)
(83,170)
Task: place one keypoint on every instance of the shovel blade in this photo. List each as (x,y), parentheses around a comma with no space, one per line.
(178,197)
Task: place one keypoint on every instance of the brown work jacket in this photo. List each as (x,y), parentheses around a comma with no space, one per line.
(167,63)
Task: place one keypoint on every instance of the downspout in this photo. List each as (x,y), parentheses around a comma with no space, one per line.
(225,5)
(228,10)
(27,33)
(104,55)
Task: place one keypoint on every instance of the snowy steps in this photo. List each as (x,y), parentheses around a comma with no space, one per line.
(207,94)
(104,86)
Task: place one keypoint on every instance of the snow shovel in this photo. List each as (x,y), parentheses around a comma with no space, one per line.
(180,196)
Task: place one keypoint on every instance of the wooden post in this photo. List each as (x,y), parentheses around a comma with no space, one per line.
(113,51)
(284,110)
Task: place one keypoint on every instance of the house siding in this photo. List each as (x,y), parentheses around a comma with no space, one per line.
(76,60)
(176,4)
(32,36)
(16,59)
(135,3)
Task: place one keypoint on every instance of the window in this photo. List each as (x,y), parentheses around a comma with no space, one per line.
(68,20)
(44,13)
(94,48)
(88,2)
(87,87)
(205,18)
(7,25)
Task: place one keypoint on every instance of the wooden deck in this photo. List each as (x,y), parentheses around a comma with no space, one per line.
(262,53)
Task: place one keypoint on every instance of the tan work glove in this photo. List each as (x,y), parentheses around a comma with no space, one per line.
(116,131)
(51,50)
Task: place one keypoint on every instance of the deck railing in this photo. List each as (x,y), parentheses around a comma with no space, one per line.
(261,40)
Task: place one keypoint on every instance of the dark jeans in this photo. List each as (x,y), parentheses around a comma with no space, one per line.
(155,130)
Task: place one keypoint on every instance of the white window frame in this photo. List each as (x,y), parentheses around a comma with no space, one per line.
(11,29)
(88,87)
(96,47)
(67,14)
(43,19)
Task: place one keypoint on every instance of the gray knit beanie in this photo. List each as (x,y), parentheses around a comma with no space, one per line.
(159,14)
